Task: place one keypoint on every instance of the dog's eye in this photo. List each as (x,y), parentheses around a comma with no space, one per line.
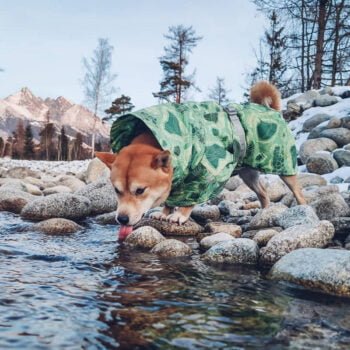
(139,191)
(117,191)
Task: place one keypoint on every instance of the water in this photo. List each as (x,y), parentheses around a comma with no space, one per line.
(85,292)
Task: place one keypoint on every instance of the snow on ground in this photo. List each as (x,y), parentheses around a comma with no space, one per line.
(339,90)
(74,166)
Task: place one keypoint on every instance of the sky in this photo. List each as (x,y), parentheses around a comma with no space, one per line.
(43,42)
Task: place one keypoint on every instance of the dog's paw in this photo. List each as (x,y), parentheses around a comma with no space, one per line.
(158,215)
(177,217)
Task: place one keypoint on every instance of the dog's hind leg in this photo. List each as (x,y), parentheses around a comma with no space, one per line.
(292,183)
(250,177)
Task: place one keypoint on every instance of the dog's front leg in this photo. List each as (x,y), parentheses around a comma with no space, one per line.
(161,215)
(181,215)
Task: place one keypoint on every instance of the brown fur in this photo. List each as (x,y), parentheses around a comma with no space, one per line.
(266,94)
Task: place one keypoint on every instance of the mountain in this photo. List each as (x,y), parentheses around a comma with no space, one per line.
(25,106)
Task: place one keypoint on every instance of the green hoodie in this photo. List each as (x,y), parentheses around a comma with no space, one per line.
(204,147)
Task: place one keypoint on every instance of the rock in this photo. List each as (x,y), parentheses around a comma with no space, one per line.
(72,182)
(342,157)
(298,215)
(57,226)
(14,200)
(321,163)
(205,212)
(331,206)
(295,237)
(306,180)
(315,121)
(106,219)
(32,189)
(327,90)
(345,94)
(304,101)
(334,123)
(266,217)
(144,237)
(13,184)
(101,195)
(263,236)
(233,183)
(316,132)
(341,136)
(209,241)
(20,172)
(189,228)
(236,251)
(252,205)
(336,180)
(325,100)
(276,190)
(56,189)
(34,181)
(171,248)
(345,122)
(310,147)
(59,205)
(341,225)
(227,207)
(231,229)
(97,170)
(322,269)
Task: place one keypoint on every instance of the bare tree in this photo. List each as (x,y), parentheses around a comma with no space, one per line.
(98,81)
(219,92)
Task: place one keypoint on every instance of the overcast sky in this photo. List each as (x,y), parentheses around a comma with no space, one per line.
(42,43)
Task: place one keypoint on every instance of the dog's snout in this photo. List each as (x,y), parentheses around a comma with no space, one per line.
(123,219)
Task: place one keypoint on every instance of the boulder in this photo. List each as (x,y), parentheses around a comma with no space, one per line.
(298,215)
(170,248)
(345,94)
(303,101)
(71,181)
(341,225)
(334,123)
(315,120)
(345,122)
(56,189)
(325,100)
(14,200)
(331,206)
(321,163)
(295,237)
(20,172)
(233,183)
(336,180)
(316,132)
(265,218)
(106,219)
(263,236)
(209,241)
(231,229)
(33,189)
(276,189)
(205,212)
(227,207)
(57,226)
(342,157)
(236,251)
(97,170)
(310,147)
(307,179)
(60,205)
(321,269)
(341,136)
(144,237)
(101,195)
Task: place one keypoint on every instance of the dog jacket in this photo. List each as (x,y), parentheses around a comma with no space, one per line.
(204,146)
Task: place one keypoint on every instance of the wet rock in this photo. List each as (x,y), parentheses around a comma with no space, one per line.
(189,228)
(72,182)
(263,236)
(342,157)
(315,120)
(341,136)
(202,213)
(295,237)
(276,189)
(209,241)
(171,248)
(236,251)
(231,229)
(101,195)
(322,269)
(14,200)
(310,147)
(233,183)
(60,205)
(325,100)
(20,172)
(57,226)
(330,207)
(144,237)
(106,219)
(266,217)
(306,180)
(321,163)
(298,215)
(97,170)
(56,189)
(341,225)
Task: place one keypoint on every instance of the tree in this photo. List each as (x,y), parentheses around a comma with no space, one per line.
(98,81)
(18,140)
(77,147)
(182,40)
(47,144)
(8,147)
(2,146)
(219,92)
(120,106)
(29,152)
(62,151)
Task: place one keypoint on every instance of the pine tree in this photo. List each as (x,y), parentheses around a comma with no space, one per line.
(18,140)
(182,40)
(2,146)
(63,145)
(78,146)
(29,152)
(219,92)
(120,106)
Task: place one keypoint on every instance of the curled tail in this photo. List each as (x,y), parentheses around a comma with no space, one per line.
(266,94)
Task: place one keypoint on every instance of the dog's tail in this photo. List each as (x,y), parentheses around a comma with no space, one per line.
(266,94)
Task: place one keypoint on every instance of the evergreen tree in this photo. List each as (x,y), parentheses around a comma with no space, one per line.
(78,146)
(63,145)
(18,140)
(219,92)
(29,152)
(182,40)
(120,106)
(2,146)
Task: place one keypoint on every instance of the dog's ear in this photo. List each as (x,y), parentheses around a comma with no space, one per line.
(106,157)
(162,160)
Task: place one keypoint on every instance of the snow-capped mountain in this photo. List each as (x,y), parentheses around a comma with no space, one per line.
(25,106)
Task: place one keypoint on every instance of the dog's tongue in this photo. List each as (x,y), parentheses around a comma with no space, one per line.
(124,231)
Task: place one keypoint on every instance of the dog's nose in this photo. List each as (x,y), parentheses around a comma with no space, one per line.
(123,219)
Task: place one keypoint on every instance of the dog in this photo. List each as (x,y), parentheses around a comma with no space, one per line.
(188,165)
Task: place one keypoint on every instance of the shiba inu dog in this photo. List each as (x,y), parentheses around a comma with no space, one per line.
(183,154)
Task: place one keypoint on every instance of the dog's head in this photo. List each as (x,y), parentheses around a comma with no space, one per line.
(141,176)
